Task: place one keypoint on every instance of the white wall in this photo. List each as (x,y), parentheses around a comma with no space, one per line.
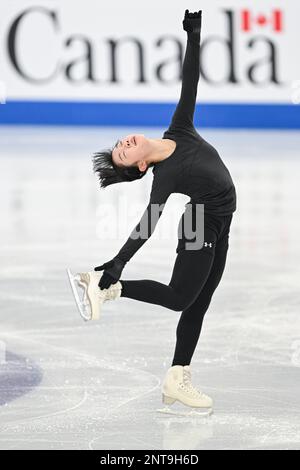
(63,50)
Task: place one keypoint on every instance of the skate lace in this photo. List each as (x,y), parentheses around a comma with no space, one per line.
(187,386)
(85,277)
(112,292)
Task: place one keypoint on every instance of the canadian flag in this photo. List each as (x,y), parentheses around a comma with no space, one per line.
(249,20)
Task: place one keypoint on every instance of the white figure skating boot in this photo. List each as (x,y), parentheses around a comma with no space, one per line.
(177,386)
(90,305)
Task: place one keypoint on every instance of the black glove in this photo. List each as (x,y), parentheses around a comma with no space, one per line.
(112,272)
(192,21)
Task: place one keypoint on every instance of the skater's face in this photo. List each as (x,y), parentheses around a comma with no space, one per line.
(131,151)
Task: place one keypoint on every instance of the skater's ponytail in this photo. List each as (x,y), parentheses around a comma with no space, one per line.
(109,173)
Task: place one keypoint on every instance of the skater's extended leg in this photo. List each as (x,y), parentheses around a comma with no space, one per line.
(190,272)
(190,322)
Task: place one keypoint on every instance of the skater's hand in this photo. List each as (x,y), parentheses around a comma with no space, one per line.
(112,272)
(192,21)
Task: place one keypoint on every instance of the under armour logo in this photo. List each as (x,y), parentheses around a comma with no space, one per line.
(208,244)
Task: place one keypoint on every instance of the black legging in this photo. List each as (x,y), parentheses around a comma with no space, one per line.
(196,274)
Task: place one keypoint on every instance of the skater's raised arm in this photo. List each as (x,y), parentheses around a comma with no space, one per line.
(183,117)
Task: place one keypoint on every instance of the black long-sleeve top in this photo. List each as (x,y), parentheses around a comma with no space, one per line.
(194,168)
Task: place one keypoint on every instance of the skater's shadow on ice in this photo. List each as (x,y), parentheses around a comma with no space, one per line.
(185,433)
(18,376)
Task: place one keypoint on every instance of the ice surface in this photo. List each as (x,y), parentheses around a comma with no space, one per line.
(65,384)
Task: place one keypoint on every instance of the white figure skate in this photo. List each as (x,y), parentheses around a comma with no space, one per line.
(90,304)
(177,386)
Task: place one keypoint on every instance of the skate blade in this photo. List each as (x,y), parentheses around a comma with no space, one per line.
(80,305)
(194,412)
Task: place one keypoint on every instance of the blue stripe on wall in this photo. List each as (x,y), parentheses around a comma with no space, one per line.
(85,113)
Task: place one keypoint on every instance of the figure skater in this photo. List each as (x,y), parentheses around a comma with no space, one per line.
(182,162)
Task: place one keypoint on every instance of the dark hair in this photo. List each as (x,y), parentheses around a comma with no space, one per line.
(109,173)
